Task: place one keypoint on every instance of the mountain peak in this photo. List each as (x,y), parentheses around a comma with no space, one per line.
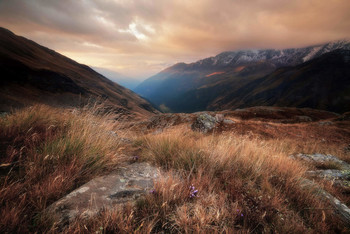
(190,87)
(283,57)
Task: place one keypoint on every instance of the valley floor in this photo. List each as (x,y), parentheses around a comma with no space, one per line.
(237,177)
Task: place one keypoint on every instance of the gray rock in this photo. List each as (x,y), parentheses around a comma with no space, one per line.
(157,131)
(332,174)
(228,121)
(325,123)
(125,184)
(304,118)
(126,140)
(322,158)
(340,177)
(219,117)
(204,123)
(113,133)
(340,209)
(3,114)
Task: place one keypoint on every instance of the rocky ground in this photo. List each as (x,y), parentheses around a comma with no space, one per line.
(132,181)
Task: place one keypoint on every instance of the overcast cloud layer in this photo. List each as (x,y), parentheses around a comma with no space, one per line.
(140,37)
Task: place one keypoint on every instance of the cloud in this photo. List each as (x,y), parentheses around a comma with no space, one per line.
(141,37)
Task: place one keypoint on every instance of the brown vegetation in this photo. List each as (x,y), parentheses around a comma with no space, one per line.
(244,184)
(246,181)
(46,153)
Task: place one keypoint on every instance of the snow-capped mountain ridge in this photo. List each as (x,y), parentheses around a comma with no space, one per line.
(221,81)
(284,57)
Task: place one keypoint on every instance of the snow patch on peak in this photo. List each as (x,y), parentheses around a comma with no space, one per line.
(277,57)
(312,53)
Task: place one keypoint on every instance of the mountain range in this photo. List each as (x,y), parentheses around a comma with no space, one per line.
(31,73)
(247,78)
(315,77)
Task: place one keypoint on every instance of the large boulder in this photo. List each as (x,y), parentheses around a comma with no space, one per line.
(204,123)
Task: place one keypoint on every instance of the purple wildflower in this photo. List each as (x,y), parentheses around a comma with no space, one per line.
(135,158)
(152,191)
(239,212)
(193,191)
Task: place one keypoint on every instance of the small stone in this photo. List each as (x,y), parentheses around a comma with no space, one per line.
(158,131)
(303,118)
(228,121)
(219,117)
(325,123)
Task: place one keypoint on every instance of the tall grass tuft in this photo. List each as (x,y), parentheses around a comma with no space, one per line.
(44,154)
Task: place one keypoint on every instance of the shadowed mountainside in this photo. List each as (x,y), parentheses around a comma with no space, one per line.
(198,86)
(321,83)
(32,73)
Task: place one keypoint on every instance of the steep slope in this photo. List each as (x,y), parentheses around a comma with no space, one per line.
(230,68)
(321,83)
(31,73)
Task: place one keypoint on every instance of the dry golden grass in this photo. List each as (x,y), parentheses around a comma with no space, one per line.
(244,183)
(44,154)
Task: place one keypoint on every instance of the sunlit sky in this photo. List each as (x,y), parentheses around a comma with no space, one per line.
(139,38)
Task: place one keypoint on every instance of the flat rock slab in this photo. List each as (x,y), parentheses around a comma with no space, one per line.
(340,177)
(106,192)
(331,174)
(340,209)
(322,158)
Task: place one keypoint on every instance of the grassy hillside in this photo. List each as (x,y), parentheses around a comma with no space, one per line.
(244,183)
(226,181)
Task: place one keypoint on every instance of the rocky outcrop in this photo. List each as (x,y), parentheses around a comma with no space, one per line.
(340,209)
(339,177)
(323,159)
(204,123)
(334,169)
(106,192)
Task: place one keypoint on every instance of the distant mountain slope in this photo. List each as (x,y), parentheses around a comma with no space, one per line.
(234,69)
(32,73)
(321,83)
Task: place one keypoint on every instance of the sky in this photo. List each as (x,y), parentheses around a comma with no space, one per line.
(139,38)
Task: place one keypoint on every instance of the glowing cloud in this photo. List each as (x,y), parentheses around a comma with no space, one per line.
(141,37)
